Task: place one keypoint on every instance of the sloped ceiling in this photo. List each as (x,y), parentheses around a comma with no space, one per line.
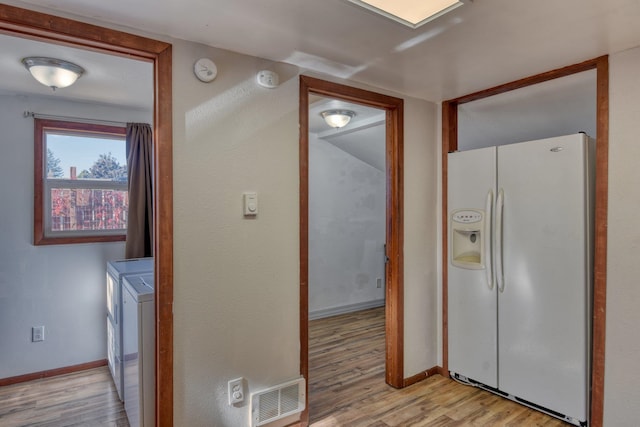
(363,137)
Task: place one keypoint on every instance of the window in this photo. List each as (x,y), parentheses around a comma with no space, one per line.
(81,193)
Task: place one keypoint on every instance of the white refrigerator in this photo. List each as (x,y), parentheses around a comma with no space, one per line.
(519,271)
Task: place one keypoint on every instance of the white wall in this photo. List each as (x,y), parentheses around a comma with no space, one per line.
(347,210)
(61,286)
(561,106)
(622,370)
(421,208)
(236,294)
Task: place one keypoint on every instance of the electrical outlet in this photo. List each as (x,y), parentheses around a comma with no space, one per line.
(37,333)
(236,391)
(378,282)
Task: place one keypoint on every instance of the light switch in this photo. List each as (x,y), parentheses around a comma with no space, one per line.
(250,204)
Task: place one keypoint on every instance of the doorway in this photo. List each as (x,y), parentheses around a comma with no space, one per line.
(394,313)
(29,24)
(347,195)
(347,189)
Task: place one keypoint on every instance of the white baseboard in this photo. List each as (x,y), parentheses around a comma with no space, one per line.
(334,311)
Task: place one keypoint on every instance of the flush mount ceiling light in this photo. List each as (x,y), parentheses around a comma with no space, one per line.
(55,73)
(412,13)
(337,118)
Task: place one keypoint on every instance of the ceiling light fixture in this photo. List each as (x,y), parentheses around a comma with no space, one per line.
(412,13)
(55,73)
(337,118)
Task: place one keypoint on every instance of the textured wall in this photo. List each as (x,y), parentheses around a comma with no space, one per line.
(237,280)
(347,210)
(622,371)
(421,208)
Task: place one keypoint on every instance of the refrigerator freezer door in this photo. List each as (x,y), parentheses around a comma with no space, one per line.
(472,332)
(542,312)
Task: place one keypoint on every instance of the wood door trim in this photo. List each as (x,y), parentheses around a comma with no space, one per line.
(394,311)
(450,144)
(529,81)
(600,243)
(35,25)
(435,370)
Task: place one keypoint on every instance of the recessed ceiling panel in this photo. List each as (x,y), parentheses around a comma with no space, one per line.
(412,13)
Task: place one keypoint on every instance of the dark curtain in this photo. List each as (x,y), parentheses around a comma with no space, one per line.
(140,173)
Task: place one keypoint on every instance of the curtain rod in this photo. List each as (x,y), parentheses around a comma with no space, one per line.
(27,114)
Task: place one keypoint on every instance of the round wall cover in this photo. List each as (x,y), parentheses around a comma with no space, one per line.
(205,70)
(268,79)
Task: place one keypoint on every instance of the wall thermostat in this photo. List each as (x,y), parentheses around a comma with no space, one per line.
(250,203)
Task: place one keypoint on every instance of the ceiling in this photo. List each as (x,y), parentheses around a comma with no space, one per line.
(363,137)
(479,45)
(108,79)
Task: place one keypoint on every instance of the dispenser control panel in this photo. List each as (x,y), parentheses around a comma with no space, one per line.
(467,239)
(467,217)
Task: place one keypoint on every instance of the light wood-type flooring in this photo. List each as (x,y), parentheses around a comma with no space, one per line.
(86,398)
(347,388)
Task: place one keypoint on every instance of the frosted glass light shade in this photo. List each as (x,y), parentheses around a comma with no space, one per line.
(52,72)
(337,118)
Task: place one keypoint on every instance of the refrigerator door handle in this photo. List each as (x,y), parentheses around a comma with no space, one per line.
(498,240)
(488,259)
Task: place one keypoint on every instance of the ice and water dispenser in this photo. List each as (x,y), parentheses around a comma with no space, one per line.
(467,234)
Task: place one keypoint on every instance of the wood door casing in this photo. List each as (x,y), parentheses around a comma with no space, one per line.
(394,312)
(25,23)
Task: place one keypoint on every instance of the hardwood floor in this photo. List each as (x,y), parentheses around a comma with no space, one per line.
(347,388)
(86,398)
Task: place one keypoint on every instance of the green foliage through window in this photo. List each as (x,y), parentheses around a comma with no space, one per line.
(54,170)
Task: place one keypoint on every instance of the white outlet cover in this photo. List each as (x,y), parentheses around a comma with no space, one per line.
(236,391)
(268,79)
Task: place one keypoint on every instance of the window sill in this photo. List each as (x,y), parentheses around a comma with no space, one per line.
(42,240)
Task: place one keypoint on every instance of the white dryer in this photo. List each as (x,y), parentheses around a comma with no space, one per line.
(138,326)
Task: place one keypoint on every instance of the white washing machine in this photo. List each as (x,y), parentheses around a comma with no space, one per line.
(139,337)
(116,272)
